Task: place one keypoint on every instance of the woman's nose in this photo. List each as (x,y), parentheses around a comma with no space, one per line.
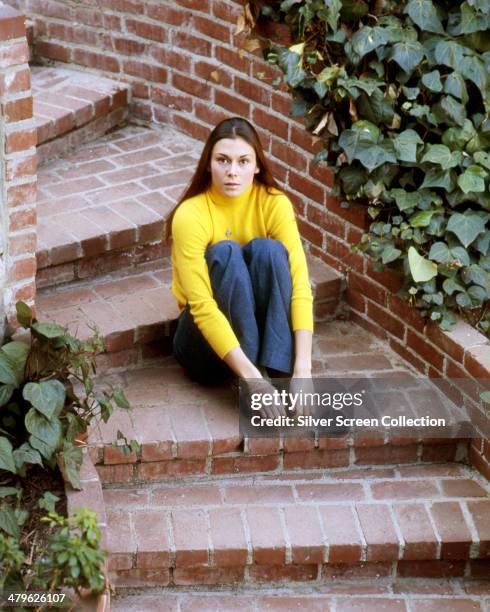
(232,168)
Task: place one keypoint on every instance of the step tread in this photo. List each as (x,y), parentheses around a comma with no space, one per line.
(65,99)
(400,595)
(256,520)
(111,193)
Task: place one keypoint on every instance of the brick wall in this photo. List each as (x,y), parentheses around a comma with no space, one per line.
(17,166)
(182,61)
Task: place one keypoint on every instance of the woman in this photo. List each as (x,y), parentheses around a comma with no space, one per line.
(239,269)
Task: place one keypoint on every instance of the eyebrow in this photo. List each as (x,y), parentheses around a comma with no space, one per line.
(241,156)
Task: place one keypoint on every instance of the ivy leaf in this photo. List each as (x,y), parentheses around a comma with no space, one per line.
(477,294)
(463,300)
(72,461)
(450,286)
(373,156)
(472,20)
(8,522)
(424,14)
(406,145)
(48,501)
(353,178)
(449,53)
(474,69)
(24,314)
(422,269)
(476,275)
(432,80)
(482,158)
(48,397)
(120,399)
(449,110)
(438,178)
(456,86)
(352,141)
(456,138)
(367,39)
(26,454)
(7,372)
(375,108)
(334,7)
(6,392)
(467,226)
(48,330)
(49,432)
(421,218)
(17,353)
(6,456)
(405,199)
(407,54)
(389,254)
(441,155)
(482,243)
(290,62)
(472,179)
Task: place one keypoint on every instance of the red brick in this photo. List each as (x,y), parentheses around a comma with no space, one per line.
(431,569)
(383,318)
(158,470)
(278,32)
(14,54)
(226,12)
(354,213)
(266,535)
(211,28)
(316,459)
(190,537)
(342,252)
(408,355)
(330,492)
(97,60)
(405,312)
(462,488)
(289,156)
(253,91)
(282,573)
(192,128)
(53,51)
(232,58)
(146,30)
(165,13)
(212,73)
(11,23)
(149,72)
(305,534)
(241,464)
(477,360)
(228,537)
(441,605)
(367,287)
(355,299)
(273,124)
(208,575)
(191,86)
(258,494)
(365,605)
(15,82)
(441,452)
(26,292)
(425,350)
(22,243)
(342,534)
(480,568)
(152,538)
(416,530)
(18,110)
(305,140)
(404,489)
(480,513)
(379,532)
(322,173)
(308,189)
(23,269)
(127,46)
(209,114)
(310,232)
(20,140)
(451,525)
(194,44)
(234,104)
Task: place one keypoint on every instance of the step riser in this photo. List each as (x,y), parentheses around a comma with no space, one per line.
(126,470)
(311,575)
(62,145)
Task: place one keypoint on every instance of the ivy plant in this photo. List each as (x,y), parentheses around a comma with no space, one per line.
(48,397)
(398,93)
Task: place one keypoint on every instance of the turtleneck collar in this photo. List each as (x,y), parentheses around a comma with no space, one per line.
(224,200)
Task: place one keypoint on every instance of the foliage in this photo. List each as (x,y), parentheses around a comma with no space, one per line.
(398,92)
(41,414)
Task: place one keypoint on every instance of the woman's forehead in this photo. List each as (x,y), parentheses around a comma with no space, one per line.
(233,147)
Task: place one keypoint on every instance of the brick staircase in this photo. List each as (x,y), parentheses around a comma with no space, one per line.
(343,523)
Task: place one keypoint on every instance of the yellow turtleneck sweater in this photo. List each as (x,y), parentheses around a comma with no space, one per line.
(211,217)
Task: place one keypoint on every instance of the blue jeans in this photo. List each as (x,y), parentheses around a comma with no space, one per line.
(252,287)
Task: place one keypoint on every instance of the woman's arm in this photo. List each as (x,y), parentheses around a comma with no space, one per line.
(302,360)
(241,364)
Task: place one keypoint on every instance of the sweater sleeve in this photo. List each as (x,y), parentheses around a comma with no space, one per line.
(282,226)
(190,240)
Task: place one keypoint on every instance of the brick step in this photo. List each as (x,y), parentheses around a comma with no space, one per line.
(390,595)
(104,206)
(72,107)
(184,428)
(300,528)
(135,309)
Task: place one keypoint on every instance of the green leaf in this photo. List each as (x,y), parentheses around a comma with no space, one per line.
(455,86)
(485,396)
(476,275)
(373,156)
(26,454)
(120,399)
(463,300)
(389,254)
(472,20)
(352,179)
(440,154)
(48,330)
(352,141)
(432,80)
(48,501)
(6,392)
(456,138)
(24,314)
(449,110)
(17,353)
(72,461)
(441,253)
(367,39)
(406,145)
(467,226)
(472,179)
(438,178)
(450,286)
(7,372)
(6,457)
(407,54)
(47,397)
(375,108)
(410,93)
(422,269)
(291,63)
(404,199)
(477,294)
(474,69)
(8,491)
(48,432)
(449,53)
(421,218)
(482,158)
(424,14)
(8,521)
(482,243)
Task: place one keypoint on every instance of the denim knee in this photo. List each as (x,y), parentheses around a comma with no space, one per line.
(266,249)
(223,250)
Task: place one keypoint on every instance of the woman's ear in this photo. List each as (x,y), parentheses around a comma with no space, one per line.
(257,169)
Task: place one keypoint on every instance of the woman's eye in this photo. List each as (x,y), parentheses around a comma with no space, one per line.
(244,161)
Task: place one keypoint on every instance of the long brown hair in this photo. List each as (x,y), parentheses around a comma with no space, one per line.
(235,127)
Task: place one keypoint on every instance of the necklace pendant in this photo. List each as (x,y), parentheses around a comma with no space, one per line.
(228,233)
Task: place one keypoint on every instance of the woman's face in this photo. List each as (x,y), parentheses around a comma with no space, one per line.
(233,166)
